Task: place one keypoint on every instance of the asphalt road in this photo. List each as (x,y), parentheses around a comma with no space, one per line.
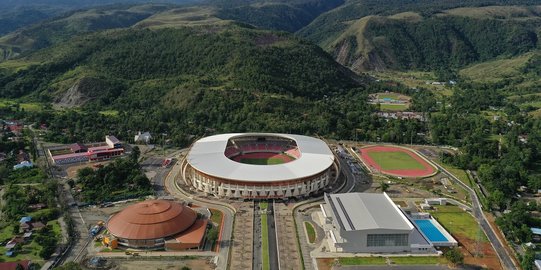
(505,259)
(273,245)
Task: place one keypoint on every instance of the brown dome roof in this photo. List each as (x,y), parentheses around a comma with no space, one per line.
(151,219)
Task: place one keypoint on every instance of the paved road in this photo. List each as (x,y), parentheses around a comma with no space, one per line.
(505,258)
(273,246)
(223,255)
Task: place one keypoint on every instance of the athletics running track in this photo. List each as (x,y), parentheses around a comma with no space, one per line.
(428,169)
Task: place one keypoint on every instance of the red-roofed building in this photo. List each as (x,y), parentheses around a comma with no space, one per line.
(77,148)
(13,265)
(158,224)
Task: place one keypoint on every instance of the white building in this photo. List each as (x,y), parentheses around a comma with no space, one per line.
(143,137)
(369,223)
(436,201)
(112,141)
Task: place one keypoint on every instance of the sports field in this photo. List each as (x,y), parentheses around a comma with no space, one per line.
(395,161)
(263,158)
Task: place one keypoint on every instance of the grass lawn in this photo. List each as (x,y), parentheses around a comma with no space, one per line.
(395,161)
(418,260)
(393,107)
(262,161)
(27,106)
(362,261)
(310,231)
(458,222)
(263,205)
(265,243)
(109,113)
(216,216)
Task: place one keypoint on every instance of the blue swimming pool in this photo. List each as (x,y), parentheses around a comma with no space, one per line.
(428,229)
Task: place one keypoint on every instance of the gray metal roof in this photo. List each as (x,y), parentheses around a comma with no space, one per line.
(365,211)
(207,155)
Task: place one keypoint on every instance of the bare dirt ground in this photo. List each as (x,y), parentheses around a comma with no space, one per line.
(487,258)
(72,170)
(199,264)
(325,263)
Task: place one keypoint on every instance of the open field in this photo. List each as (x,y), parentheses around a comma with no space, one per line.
(363,261)
(418,260)
(109,112)
(393,107)
(395,161)
(27,106)
(458,222)
(310,231)
(474,244)
(496,70)
(265,243)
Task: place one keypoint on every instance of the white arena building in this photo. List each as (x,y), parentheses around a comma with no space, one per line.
(259,165)
(369,223)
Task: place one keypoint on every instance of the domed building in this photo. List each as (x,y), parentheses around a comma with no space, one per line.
(157,224)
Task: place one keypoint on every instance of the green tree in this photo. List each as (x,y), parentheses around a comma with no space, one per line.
(384,186)
(454,256)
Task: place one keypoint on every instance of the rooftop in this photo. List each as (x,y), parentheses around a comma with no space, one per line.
(207,155)
(365,211)
(151,219)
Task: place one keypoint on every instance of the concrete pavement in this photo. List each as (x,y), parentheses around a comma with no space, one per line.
(228,211)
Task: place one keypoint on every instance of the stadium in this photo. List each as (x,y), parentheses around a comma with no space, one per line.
(259,165)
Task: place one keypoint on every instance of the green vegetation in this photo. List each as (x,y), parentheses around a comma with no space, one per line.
(458,222)
(263,205)
(310,231)
(216,216)
(393,107)
(262,161)
(362,261)
(395,160)
(118,180)
(265,243)
(418,260)
(454,256)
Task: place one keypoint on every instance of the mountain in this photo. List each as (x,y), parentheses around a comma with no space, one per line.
(290,15)
(53,31)
(374,35)
(21,13)
(183,80)
(225,57)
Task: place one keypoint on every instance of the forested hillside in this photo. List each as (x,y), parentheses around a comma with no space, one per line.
(185,81)
(277,15)
(429,35)
(60,29)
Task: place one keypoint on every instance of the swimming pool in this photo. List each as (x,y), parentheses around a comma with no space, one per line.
(430,231)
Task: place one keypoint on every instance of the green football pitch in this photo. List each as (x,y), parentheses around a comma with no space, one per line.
(262,161)
(395,161)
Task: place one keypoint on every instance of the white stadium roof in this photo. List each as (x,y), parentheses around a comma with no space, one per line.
(207,156)
(367,211)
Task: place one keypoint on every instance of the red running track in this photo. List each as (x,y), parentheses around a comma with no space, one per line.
(409,173)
